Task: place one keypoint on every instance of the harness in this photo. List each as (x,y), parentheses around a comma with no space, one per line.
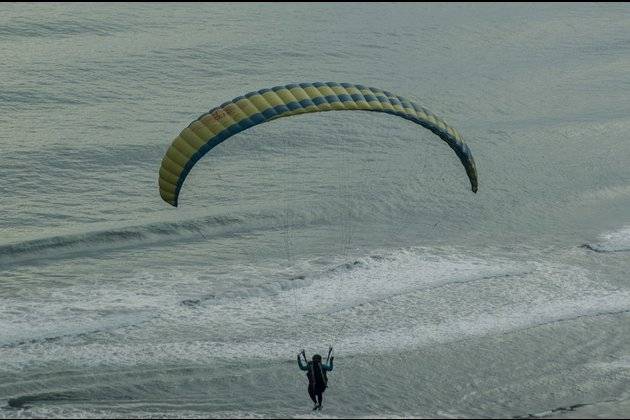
(317,376)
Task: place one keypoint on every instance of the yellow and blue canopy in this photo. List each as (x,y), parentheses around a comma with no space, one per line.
(255,108)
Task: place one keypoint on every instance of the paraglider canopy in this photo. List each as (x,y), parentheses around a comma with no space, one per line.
(243,112)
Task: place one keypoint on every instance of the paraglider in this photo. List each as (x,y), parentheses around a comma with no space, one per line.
(243,112)
(316,374)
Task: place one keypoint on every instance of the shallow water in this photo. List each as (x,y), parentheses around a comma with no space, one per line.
(346,228)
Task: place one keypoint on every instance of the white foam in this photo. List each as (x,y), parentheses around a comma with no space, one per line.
(403,300)
(613,241)
(90,305)
(607,193)
(400,273)
(22,331)
(616,364)
(499,322)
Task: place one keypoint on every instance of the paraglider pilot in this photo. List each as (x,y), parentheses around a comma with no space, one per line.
(316,374)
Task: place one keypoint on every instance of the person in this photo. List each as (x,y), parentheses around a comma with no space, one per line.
(316,374)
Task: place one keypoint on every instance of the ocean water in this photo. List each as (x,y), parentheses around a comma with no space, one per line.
(351,229)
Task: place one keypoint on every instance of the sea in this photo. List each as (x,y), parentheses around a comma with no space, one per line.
(353,230)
